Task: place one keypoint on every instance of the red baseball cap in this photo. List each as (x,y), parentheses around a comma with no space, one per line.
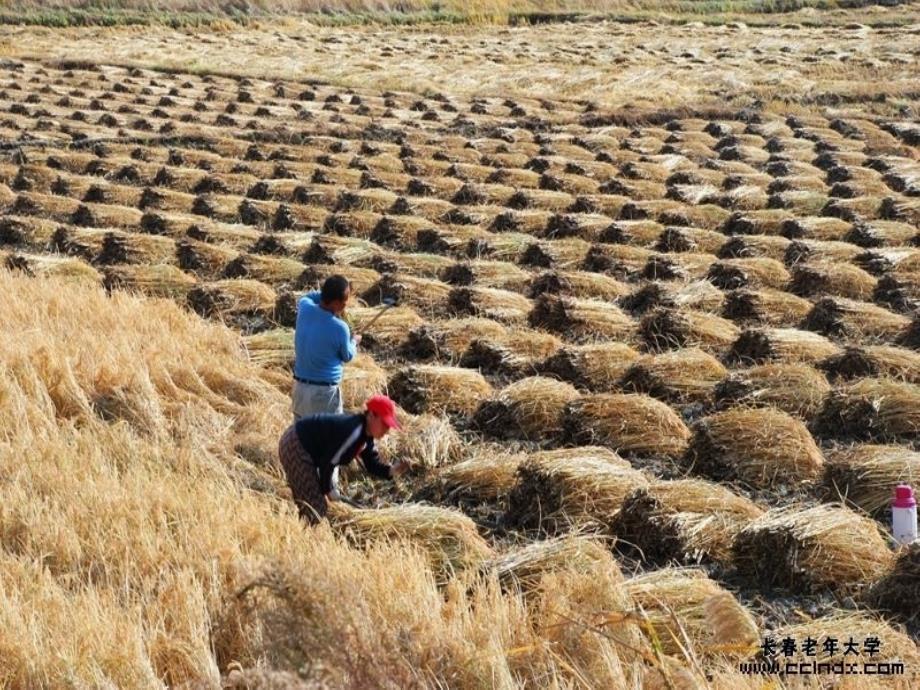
(384,408)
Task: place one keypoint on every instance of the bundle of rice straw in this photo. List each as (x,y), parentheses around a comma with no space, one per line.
(234,296)
(50,265)
(426,441)
(766,306)
(552,493)
(485,478)
(669,329)
(753,246)
(596,367)
(566,253)
(686,520)
(819,251)
(362,377)
(757,272)
(428,296)
(448,340)
(796,389)
(630,423)
(448,537)
(878,361)
(845,625)
(832,278)
(438,389)
(872,410)
(581,320)
(898,292)
(898,591)
(757,345)
(274,270)
(492,358)
(136,248)
(389,331)
(490,303)
(157,280)
(530,409)
(577,284)
(825,228)
(208,260)
(337,250)
(682,376)
(523,568)
(761,447)
(683,610)
(700,295)
(812,549)
(855,320)
(487,273)
(272,348)
(865,475)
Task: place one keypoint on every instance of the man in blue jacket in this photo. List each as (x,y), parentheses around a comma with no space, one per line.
(323,344)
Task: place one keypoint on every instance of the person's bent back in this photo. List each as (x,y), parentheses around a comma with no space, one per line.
(322,346)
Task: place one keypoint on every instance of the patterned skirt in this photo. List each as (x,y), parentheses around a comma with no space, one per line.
(302,477)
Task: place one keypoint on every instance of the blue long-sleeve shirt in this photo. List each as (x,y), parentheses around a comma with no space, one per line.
(322,342)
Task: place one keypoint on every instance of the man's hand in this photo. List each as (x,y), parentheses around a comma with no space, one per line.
(399,468)
(333,496)
(356,338)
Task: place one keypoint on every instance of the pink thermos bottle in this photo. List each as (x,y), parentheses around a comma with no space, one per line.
(904,514)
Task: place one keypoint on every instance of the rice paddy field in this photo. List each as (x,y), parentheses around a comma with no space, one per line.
(656,349)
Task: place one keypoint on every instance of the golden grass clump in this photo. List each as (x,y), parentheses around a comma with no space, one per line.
(685,520)
(273,348)
(880,410)
(681,376)
(755,272)
(832,278)
(812,549)
(581,320)
(897,592)
(62,267)
(427,441)
(447,537)
(490,303)
(530,409)
(876,361)
(389,331)
(485,478)
(865,475)
(157,280)
(682,608)
(448,340)
(796,389)
(761,447)
(669,329)
(438,389)
(850,319)
(629,423)
(596,367)
(767,307)
(553,493)
(524,568)
(789,345)
(362,377)
(231,297)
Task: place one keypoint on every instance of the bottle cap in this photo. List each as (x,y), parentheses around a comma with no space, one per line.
(903,497)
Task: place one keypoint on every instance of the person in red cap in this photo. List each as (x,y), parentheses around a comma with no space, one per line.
(314,447)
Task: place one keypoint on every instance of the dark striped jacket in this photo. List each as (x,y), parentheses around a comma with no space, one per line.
(333,440)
